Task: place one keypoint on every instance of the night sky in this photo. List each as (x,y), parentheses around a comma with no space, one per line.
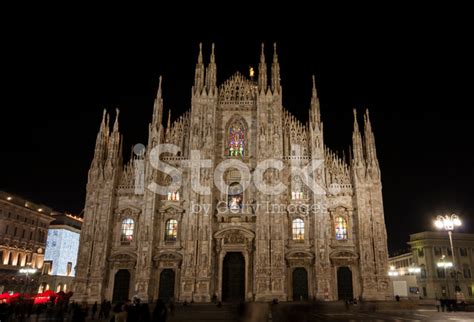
(413,71)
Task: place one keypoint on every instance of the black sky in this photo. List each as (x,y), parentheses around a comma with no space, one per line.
(412,70)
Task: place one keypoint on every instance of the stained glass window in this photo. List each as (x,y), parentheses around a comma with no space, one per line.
(126,236)
(236,140)
(171,233)
(341,228)
(235,196)
(298,229)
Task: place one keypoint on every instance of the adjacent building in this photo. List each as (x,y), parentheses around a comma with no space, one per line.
(60,257)
(403,273)
(230,240)
(437,271)
(23,231)
(432,253)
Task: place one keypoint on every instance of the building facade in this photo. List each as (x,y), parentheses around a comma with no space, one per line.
(432,248)
(23,230)
(403,273)
(151,230)
(60,258)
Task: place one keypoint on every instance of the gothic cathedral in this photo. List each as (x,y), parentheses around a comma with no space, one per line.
(234,241)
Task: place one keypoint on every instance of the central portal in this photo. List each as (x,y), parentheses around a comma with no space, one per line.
(300,284)
(233,277)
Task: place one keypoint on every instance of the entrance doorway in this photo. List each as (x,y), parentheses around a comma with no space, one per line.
(344,283)
(300,284)
(167,279)
(121,286)
(233,277)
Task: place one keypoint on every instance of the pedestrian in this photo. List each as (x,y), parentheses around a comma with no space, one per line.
(120,315)
(397,297)
(108,307)
(144,313)
(160,312)
(172,307)
(94,310)
(438,304)
(101,310)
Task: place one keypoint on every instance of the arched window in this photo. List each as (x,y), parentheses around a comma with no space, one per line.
(126,235)
(466,271)
(236,139)
(422,271)
(298,229)
(171,232)
(341,228)
(235,196)
(65,288)
(58,288)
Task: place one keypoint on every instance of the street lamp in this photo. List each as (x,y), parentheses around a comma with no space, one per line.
(448,223)
(445,265)
(27,271)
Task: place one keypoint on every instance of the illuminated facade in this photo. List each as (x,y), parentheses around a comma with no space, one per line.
(180,243)
(60,258)
(23,230)
(430,250)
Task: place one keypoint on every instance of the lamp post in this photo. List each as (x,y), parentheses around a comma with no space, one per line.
(448,223)
(27,271)
(445,265)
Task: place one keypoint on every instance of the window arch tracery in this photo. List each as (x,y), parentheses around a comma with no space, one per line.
(298,229)
(236,138)
(126,231)
(171,230)
(341,228)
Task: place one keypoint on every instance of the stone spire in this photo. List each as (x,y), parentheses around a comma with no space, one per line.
(114,140)
(262,72)
(316,126)
(275,72)
(158,107)
(101,142)
(168,124)
(370,150)
(199,73)
(315,113)
(211,74)
(357,148)
(116,123)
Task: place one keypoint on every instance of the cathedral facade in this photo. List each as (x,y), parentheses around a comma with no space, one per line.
(212,208)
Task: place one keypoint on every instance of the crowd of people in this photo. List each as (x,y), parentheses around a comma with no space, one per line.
(135,311)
